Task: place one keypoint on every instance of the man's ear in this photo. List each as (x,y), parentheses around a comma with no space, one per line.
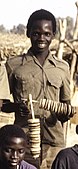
(1,102)
(54,34)
(76,129)
(0,153)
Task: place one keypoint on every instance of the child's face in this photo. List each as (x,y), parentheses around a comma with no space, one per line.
(13,152)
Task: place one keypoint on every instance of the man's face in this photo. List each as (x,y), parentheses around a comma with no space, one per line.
(13,152)
(41,35)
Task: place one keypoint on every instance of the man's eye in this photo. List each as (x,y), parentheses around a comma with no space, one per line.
(48,34)
(35,33)
(8,150)
(21,151)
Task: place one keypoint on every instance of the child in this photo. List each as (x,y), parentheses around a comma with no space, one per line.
(12,148)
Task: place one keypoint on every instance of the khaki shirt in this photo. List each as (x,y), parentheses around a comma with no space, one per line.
(52,81)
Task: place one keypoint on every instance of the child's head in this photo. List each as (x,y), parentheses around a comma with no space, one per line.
(12,145)
(41,15)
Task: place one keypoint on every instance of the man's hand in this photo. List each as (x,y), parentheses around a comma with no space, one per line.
(9,107)
(23,109)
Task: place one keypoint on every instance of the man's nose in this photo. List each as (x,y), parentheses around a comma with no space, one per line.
(41,36)
(14,154)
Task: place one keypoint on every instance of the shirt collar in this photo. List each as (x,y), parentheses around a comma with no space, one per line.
(51,57)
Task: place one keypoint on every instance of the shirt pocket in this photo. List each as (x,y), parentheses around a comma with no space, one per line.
(53,88)
(31,85)
(27,85)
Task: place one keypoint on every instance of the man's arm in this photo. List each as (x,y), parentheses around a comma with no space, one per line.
(8,107)
(65,94)
(4,84)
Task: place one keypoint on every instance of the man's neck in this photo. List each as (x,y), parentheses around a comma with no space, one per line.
(41,56)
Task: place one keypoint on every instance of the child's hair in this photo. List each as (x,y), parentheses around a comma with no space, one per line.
(40,15)
(9,131)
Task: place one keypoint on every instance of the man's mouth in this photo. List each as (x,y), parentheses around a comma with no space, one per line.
(13,163)
(41,44)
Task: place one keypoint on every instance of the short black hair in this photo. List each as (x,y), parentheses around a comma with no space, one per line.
(9,131)
(40,15)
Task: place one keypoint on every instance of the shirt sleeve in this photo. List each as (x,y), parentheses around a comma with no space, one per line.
(65,89)
(4,84)
(9,68)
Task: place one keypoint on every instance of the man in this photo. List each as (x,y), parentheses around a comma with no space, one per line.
(45,77)
(67,158)
(4,85)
